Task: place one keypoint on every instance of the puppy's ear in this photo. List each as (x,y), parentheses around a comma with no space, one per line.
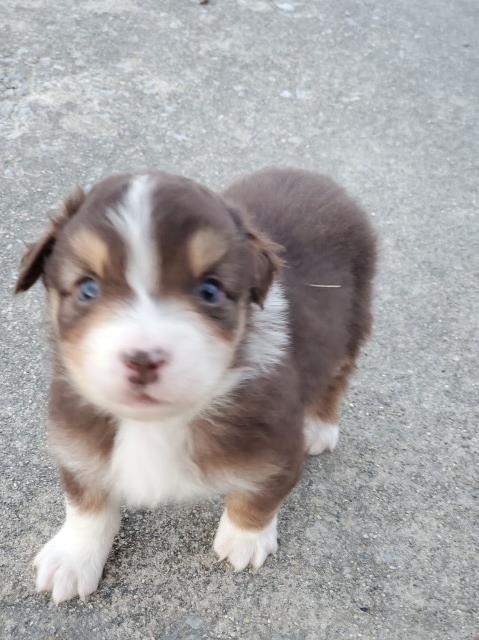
(33,261)
(265,254)
(266,263)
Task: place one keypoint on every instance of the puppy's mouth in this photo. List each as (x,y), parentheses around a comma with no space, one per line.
(143,398)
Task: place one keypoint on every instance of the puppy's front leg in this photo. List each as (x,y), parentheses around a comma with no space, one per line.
(71,563)
(247,529)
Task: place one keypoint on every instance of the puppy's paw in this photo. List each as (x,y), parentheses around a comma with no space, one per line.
(320,436)
(244,546)
(68,566)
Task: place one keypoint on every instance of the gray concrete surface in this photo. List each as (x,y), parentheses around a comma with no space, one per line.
(378,540)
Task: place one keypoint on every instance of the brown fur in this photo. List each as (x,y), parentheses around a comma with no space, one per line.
(91,250)
(76,424)
(328,406)
(251,510)
(273,217)
(205,249)
(330,242)
(261,438)
(84,498)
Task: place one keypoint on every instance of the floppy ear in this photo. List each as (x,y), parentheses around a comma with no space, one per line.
(33,261)
(266,263)
(265,254)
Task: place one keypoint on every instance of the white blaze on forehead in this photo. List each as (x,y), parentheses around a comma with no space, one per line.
(132,218)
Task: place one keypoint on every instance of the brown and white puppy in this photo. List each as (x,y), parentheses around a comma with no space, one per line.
(187,361)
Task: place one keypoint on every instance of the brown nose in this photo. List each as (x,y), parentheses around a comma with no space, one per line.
(144,365)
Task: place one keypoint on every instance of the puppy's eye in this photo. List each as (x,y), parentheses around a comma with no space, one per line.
(210,291)
(88,289)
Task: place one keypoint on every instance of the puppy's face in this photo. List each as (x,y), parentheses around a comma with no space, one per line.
(150,279)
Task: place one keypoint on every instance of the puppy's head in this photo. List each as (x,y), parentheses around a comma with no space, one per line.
(150,279)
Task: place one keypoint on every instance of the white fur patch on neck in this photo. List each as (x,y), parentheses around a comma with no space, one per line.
(268,337)
(133,221)
(152,463)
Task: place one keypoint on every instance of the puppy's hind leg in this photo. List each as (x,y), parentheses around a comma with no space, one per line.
(319,436)
(321,428)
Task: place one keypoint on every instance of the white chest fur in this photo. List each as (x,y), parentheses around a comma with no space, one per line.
(151,463)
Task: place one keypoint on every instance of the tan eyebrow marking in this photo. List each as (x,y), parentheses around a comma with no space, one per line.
(205,248)
(91,249)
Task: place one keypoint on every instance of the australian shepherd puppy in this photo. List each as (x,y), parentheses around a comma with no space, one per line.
(203,342)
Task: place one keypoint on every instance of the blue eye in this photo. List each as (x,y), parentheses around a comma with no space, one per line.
(210,291)
(88,289)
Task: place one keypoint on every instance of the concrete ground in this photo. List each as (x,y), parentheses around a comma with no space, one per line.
(380,539)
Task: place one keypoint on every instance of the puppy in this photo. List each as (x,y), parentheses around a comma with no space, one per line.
(202,345)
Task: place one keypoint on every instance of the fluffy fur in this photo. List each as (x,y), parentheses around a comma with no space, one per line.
(203,343)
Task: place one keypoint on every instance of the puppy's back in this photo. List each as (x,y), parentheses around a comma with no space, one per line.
(329,254)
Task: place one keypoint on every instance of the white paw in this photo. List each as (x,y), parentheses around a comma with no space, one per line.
(71,563)
(244,546)
(320,436)
(68,568)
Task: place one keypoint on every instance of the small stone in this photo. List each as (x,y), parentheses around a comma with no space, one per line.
(285,6)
